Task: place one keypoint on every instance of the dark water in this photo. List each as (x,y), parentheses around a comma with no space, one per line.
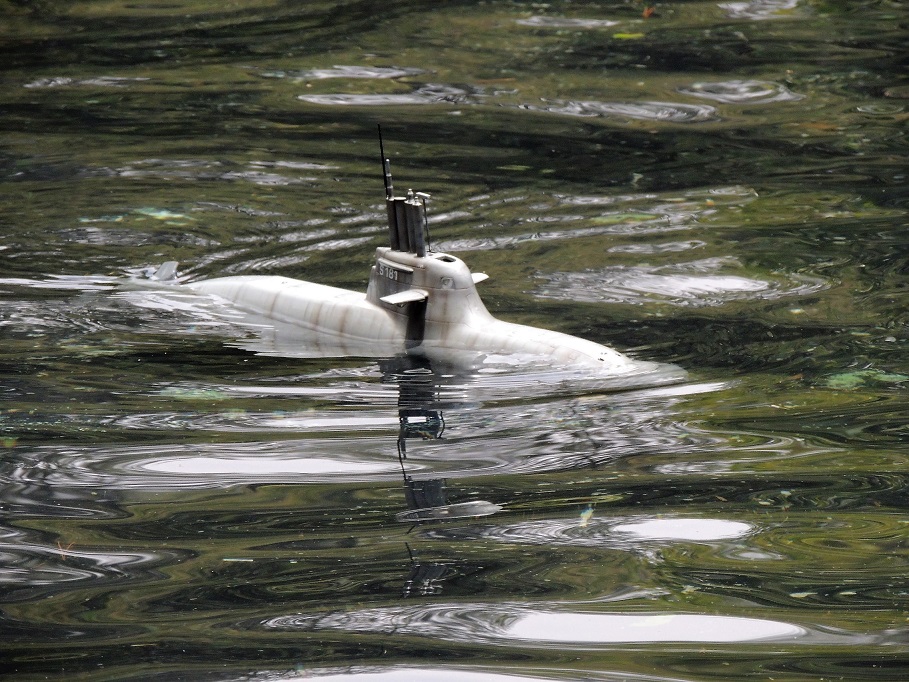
(719,185)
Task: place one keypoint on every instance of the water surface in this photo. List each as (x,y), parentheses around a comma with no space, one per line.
(716,186)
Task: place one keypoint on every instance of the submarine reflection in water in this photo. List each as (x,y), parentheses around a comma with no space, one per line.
(420,418)
(426,577)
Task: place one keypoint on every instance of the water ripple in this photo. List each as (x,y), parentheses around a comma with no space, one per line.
(358,72)
(853,556)
(540,21)
(627,533)
(185,467)
(97,81)
(552,435)
(434,93)
(670,112)
(641,224)
(697,283)
(665,247)
(240,421)
(506,624)
(445,673)
(760,10)
(26,564)
(427,94)
(206,170)
(63,282)
(628,214)
(742,92)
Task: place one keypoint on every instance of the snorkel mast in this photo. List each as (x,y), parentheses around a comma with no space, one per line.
(406,215)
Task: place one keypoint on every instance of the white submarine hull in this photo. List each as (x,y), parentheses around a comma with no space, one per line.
(418,302)
(438,310)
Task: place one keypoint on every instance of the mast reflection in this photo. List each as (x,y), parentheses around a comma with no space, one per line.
(420,419)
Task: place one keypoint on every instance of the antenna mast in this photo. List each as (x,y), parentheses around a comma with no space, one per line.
(386,168)
(406,216)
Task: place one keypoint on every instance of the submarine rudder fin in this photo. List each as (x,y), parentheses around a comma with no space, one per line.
(166,272)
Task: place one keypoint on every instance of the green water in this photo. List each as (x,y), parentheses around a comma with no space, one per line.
(720,186)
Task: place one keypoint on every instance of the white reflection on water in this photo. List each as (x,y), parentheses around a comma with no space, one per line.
(204,466)
(435,93)
(96,81)
(698,530)
(742,92)
(697,283)
(671,112)
(565,22)
(759,10)
(448,674)
(625,533)
(251,421)
(662,627)
(64,282)
(427,94)
(551,625)
(342,71)
(665,247)
(255,467)
(560,433)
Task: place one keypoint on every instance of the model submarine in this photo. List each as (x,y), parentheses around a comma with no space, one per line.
(418,302)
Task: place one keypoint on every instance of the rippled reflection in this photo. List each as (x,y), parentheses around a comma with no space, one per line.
(30,567)
(63,282)
(343,444)
(188,467)
(540,21)
(760,9)
(188,493)
(697,283)
(605,628)
(258,467)
(345,71)
(202,170)
(745,92)
(646,111)
(513,624)
(568,217)
(445,674)
(608,532)
(698,530)
(435,93)
(427,94)
(98,81)
(420,418)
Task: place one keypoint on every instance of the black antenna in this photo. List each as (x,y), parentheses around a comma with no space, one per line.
(386,168)
(394,236)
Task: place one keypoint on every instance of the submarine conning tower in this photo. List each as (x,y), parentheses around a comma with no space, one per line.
(407,269)
(398,279)
(423,289)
